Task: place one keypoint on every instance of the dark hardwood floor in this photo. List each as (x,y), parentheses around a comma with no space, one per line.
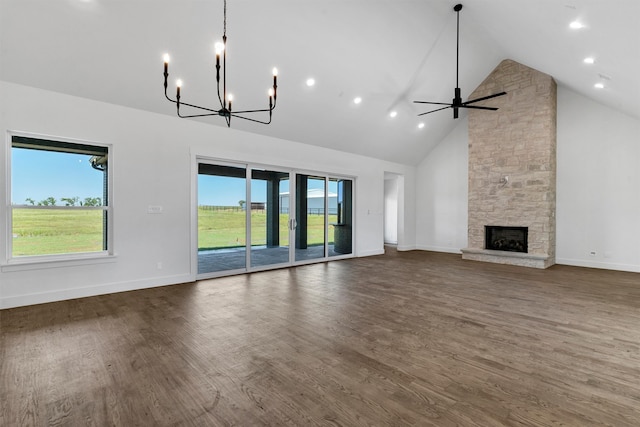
(409,338)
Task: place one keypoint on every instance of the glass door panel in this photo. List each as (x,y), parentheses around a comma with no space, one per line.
(269,217)
(222,225)
(340,202)
(310,217)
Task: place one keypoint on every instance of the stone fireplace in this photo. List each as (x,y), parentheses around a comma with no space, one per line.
(512,169)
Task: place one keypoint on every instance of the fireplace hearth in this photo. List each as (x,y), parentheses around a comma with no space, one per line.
(511,239)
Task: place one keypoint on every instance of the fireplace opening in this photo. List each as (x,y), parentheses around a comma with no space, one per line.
(513,239)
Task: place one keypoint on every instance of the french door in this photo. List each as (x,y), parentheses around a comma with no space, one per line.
(252,218)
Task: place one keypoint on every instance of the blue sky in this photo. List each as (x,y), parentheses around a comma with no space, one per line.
(227,191)
(40,174)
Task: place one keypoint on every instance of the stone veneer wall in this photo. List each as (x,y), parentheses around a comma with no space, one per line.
(519,142)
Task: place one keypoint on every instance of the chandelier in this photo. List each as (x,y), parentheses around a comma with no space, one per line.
(225,98)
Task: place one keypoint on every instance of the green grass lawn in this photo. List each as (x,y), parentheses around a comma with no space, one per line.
(223,229)
(50,232)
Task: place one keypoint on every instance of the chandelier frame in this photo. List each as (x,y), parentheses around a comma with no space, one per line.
(224,99)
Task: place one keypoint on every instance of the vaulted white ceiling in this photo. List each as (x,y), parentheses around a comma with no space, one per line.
(388,52)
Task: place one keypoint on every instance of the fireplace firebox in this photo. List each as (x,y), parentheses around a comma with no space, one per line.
(512,239)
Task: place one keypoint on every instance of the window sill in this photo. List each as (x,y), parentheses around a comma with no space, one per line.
(45,262)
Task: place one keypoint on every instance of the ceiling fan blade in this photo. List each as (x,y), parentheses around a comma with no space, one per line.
(433,111)
(484,98)
(477,107)
(434,103)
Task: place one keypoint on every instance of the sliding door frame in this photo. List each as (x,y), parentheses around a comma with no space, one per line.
(249,167)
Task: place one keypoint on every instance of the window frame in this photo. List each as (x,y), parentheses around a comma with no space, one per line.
(11,262)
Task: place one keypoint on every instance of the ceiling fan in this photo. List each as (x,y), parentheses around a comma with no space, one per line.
(457,100)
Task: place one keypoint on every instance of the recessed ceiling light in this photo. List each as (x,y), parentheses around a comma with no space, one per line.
(357,100)
(575,25)
(393,114)
(599,86)
(589,60)
(311,82)
(420,125)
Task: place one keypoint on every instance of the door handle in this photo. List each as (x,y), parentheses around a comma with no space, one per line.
(292,224)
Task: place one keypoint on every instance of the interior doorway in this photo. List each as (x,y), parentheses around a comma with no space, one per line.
(391,196)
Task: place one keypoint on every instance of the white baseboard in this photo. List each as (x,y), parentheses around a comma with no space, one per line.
(598,264)
(370,253)
(89,291)
(439,249)
(406,248)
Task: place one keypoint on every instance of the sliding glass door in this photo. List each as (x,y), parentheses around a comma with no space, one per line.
(222,222)
(252,218)
(311,219)
(269,217)
(340,216)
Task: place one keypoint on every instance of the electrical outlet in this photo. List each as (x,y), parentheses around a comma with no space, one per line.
(159,265)
(154,209)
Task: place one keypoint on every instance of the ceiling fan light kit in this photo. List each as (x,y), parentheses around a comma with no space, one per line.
(457,98)
(226,98)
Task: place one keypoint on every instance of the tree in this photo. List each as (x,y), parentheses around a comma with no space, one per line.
(70,201)
(49,201)
(241,203)
(92,201)
(30,201)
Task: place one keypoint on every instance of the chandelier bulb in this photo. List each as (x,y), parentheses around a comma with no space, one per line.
(275,71)
(219,47)
(166,70)
(178,86)
(271,92)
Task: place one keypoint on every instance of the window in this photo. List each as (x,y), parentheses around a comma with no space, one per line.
(59,198)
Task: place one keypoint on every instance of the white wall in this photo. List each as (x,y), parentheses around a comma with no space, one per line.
(442,190)
(152,165)
(598,185)
(598,188)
